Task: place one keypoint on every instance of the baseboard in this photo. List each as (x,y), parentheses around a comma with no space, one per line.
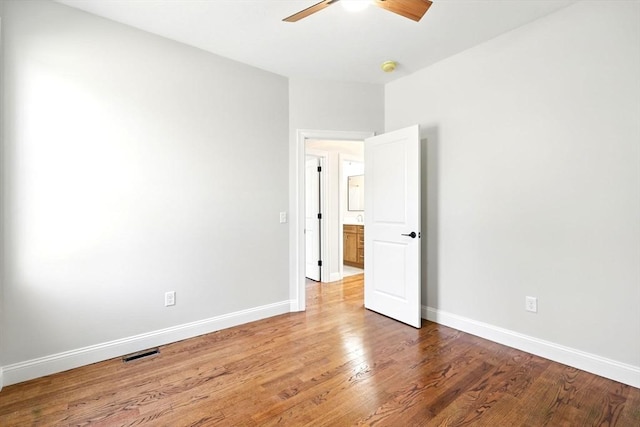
(1,378)
(617,371)
(35,368)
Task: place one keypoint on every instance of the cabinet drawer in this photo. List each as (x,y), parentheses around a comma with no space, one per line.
(348,228)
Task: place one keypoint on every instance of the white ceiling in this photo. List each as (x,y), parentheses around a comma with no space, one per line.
(332,44)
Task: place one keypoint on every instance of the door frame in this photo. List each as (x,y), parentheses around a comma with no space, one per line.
(297,281)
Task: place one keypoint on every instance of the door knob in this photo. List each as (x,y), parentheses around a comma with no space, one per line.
(412,234)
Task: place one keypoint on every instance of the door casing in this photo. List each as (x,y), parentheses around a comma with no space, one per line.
(297,291)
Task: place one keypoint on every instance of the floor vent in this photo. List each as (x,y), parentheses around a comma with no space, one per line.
(141,354)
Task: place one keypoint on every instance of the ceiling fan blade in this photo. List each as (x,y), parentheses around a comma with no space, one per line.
(310,10)
(412,9)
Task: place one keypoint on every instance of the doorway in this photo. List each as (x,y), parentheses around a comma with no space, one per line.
(393,201)
(332,223)
(331,210)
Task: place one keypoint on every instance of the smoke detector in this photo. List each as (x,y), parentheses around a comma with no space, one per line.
(388,66)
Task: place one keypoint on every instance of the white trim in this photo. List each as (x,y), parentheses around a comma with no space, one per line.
(1,378)
(614,370)
(336,276)
(296,269)
(35,368)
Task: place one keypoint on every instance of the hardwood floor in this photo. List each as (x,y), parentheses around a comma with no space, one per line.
(334,365)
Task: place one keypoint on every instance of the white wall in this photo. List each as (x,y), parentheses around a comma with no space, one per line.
(533,182)
(1,192)
(133,165)
(327,105)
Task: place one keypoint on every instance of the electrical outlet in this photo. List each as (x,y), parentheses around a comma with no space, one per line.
(170,298)
(531,304)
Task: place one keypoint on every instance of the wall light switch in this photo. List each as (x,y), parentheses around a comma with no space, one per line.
(283,217)
(170,298)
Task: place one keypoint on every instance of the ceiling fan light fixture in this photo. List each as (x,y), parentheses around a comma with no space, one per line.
(412,9)
(355,5)
(389,66)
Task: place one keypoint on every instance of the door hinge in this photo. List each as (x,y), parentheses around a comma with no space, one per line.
(319,216)
(319,263)
(319,168)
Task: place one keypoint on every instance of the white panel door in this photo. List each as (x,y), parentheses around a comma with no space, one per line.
(392,225)
(312,223)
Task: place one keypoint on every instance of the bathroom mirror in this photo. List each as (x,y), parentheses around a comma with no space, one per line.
(355,189)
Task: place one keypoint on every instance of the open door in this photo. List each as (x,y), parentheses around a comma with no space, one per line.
(313,219)
(392,225)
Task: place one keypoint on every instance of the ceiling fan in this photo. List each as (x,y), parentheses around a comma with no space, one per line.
(412,9)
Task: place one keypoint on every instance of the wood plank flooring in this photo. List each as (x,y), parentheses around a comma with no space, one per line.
(336,364)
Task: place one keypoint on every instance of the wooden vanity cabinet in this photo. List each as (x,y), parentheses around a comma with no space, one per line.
(353,246)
